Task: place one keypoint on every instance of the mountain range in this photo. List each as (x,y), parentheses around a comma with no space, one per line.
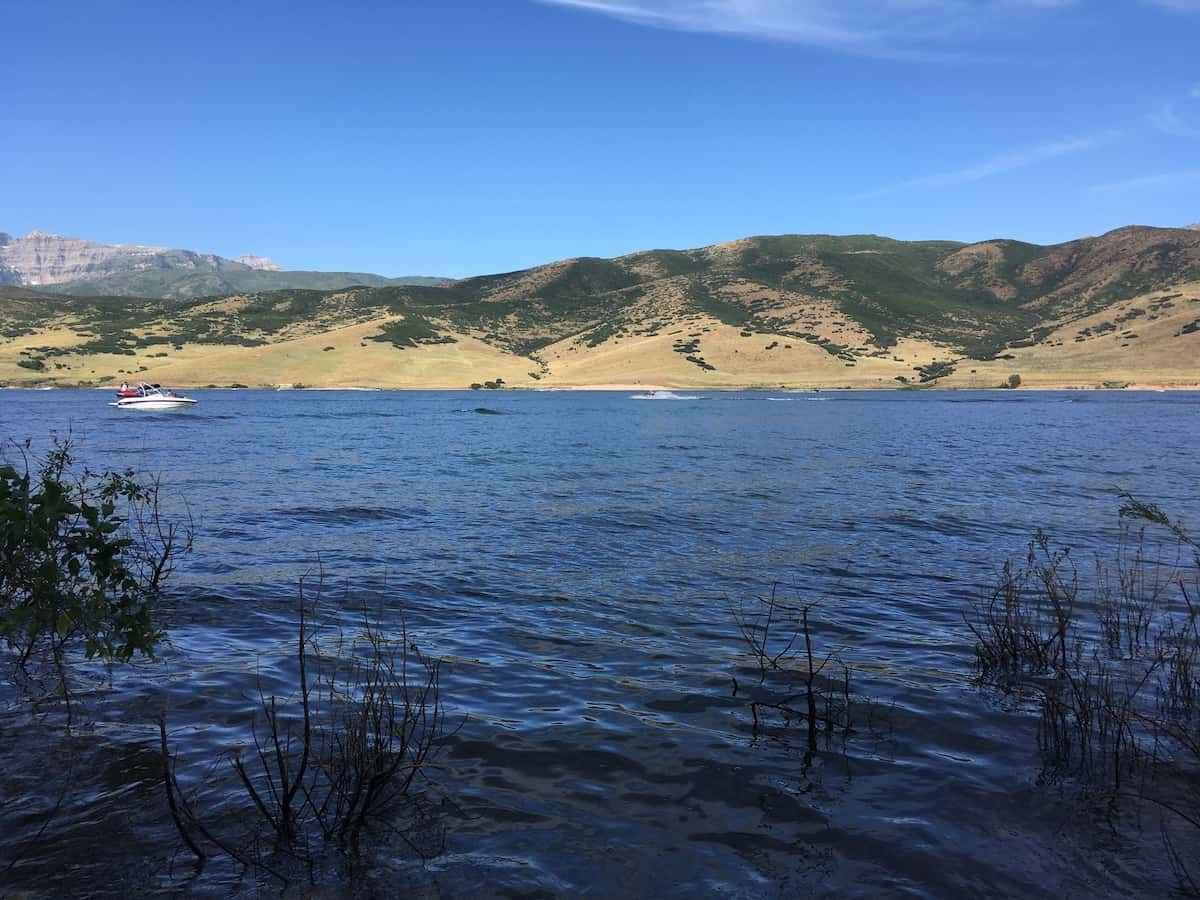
(771,311)
(68,265)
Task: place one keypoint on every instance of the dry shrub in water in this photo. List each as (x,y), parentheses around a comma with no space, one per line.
(796,682)
(1114,667)
(339,758)
(1026,626)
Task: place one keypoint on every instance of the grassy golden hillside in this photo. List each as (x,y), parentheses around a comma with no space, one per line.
(791,311)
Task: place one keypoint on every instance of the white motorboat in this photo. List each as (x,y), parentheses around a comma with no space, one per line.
(151,396)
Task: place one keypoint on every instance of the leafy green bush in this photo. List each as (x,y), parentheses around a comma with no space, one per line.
(82,556)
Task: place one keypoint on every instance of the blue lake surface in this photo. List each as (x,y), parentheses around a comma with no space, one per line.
(577,559)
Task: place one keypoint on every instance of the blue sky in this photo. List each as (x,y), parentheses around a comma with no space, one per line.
(465,136)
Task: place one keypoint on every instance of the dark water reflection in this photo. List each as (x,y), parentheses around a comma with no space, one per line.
(575,558)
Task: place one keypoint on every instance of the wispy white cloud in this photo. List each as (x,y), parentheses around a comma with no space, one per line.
(1000,164)
(1168,120)
(1145,182)
(905,29)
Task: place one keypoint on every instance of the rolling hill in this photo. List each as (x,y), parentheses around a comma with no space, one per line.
(771,311)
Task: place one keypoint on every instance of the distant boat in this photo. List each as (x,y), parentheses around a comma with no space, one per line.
(151,396)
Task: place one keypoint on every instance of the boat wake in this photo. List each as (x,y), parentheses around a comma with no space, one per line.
(665,395)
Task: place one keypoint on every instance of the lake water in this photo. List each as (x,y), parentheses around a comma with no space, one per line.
(576,559)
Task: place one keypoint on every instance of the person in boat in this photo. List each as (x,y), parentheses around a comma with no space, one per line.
(124,385)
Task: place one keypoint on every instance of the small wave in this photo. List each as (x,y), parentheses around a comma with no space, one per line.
(347,514)
(356,414)
(483,411)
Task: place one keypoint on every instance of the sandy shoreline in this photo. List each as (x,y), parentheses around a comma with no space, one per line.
(643,388)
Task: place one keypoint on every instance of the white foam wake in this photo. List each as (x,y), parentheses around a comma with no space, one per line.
(664,395)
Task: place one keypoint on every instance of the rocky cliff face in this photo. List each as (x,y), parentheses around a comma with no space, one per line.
(259,263)
(7,275)
(39,258)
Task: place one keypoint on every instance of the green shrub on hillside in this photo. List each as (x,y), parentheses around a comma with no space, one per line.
(935,370)
(600,335)
(410,331)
